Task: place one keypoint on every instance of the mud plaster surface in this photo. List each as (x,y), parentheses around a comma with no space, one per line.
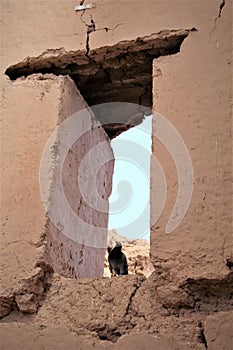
(188,299)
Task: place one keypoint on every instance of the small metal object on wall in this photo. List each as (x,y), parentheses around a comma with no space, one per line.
(84,7)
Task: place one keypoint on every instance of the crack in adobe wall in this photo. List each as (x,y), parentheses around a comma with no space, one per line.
(201,337)
(221,6)
(137,286)
(112,332)
(118,73)
(91,27)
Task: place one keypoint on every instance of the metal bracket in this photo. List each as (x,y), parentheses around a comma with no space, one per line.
(84,7)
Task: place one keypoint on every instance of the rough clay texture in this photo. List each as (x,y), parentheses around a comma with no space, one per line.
(218,328)
(187,301)
(30,241)
(202,243)
(74,256)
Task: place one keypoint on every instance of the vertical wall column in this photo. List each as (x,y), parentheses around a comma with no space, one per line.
(192,91)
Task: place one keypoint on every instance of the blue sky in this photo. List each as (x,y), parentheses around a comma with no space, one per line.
(129,202)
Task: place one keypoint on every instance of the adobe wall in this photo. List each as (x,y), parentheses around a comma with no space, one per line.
(77,247)
(190,292)
(193,91)
(32,109)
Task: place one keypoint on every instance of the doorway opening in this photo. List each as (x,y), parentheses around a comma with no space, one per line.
(129,203)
